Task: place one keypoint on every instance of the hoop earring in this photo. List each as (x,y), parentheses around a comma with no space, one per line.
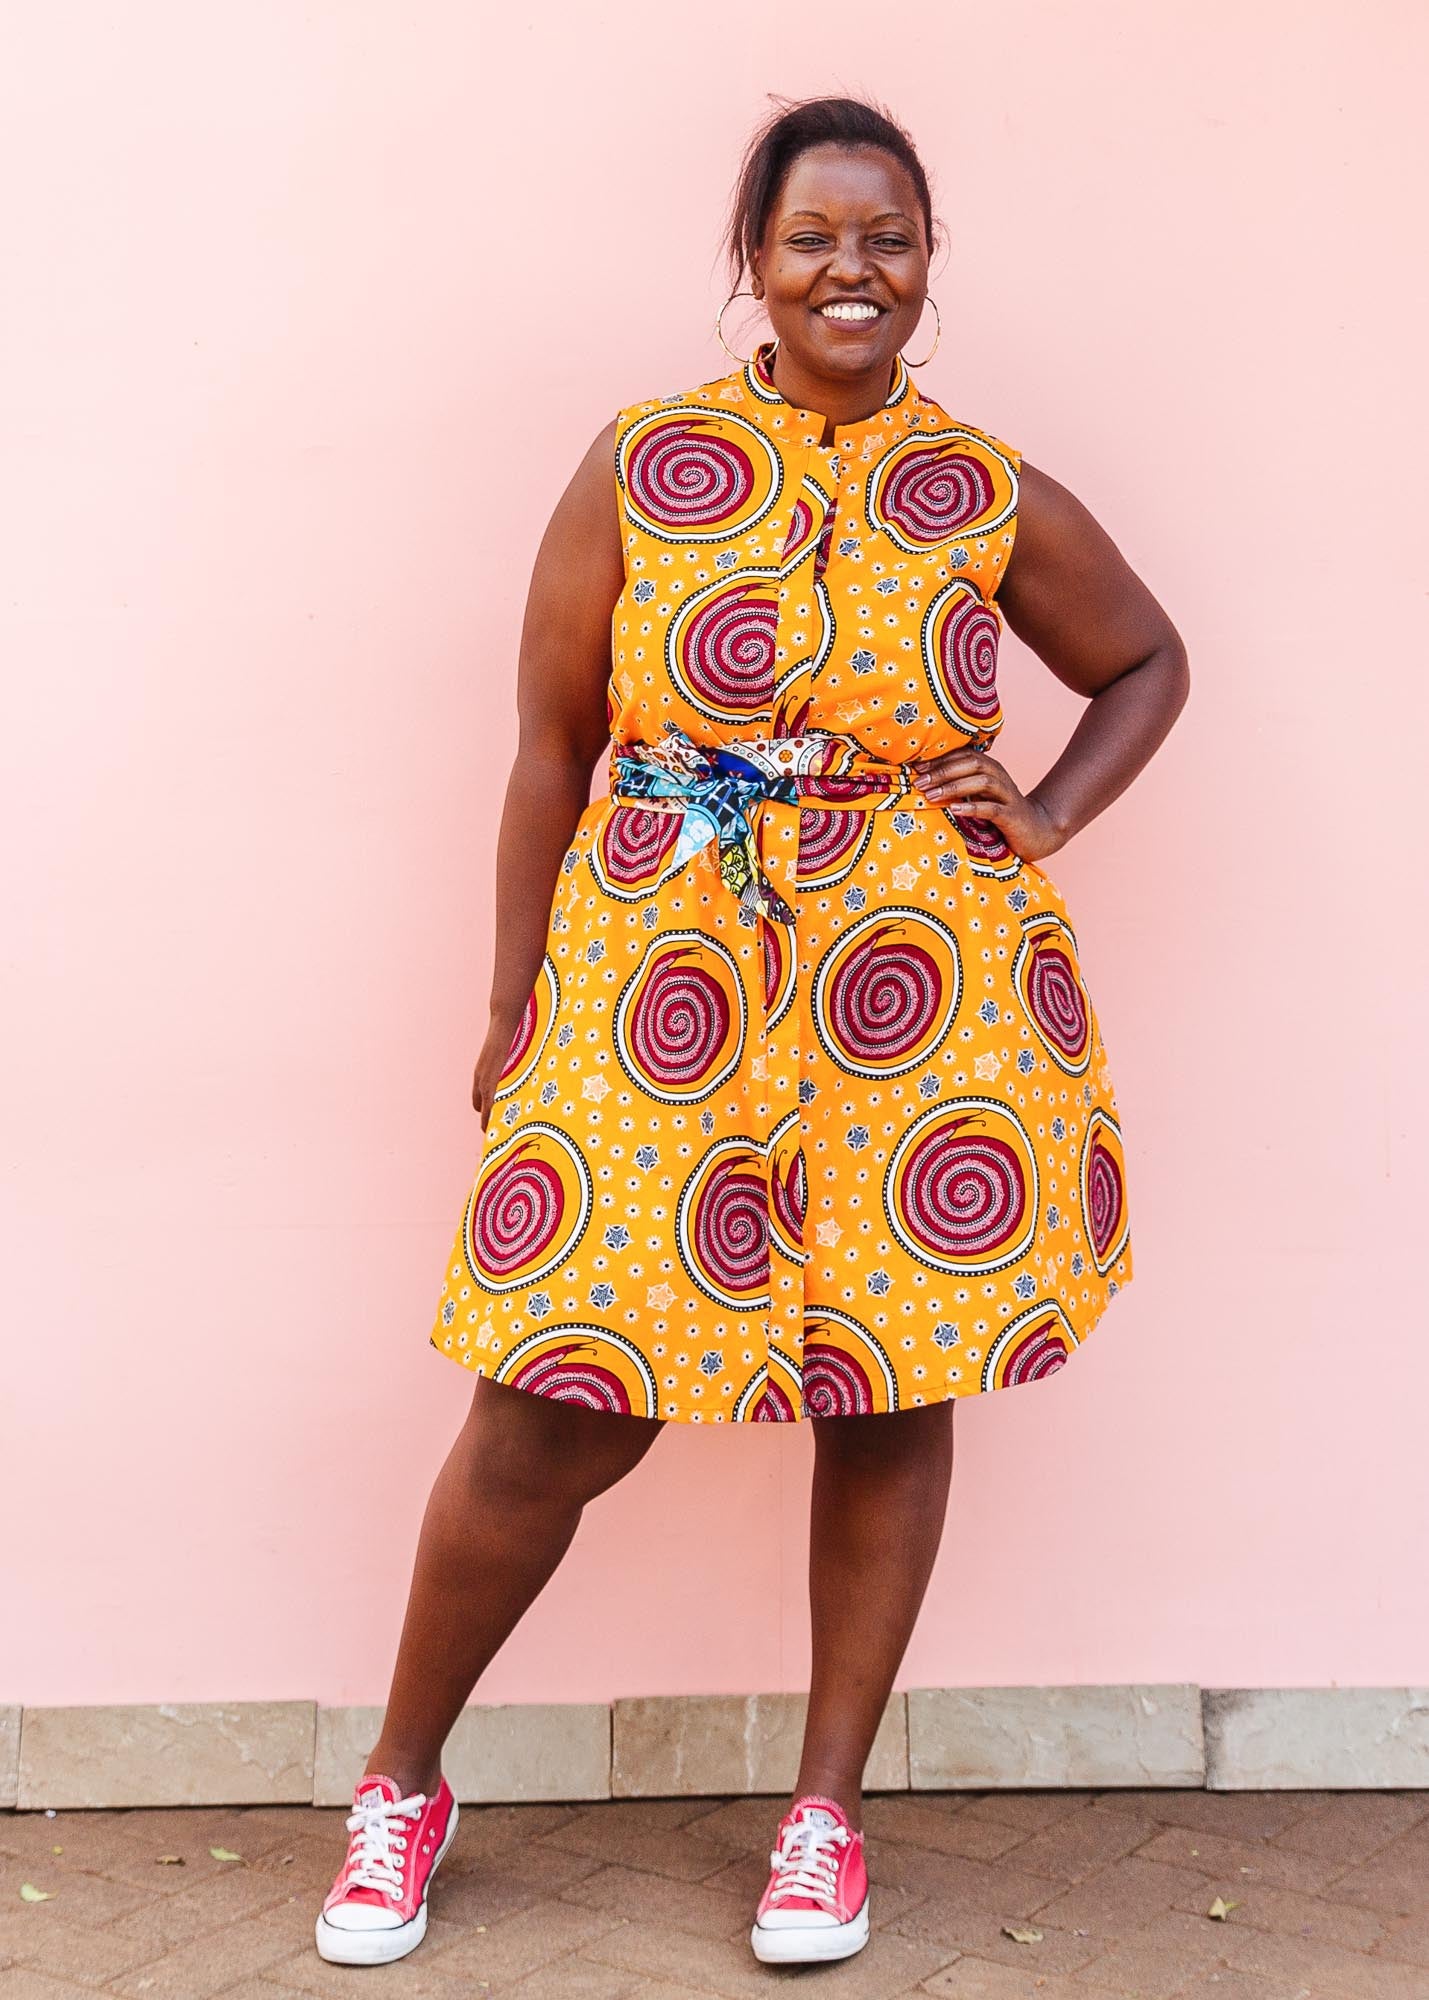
(929,300)
(719,324)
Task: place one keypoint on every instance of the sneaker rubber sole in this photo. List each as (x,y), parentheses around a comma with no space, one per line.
(796,1945)
(380,1947)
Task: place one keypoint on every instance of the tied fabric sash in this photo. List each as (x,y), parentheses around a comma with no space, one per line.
(718,789)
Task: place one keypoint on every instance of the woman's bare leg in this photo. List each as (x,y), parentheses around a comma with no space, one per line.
(880,1493)
(501,1515)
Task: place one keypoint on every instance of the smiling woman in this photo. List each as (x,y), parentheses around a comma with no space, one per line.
(795,1102)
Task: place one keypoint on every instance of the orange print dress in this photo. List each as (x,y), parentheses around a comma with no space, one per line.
(808,1113)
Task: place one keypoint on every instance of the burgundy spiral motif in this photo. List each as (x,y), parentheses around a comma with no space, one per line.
(517,1213)
(1104,1197)
(730,1228)
(962,1193)
(933,493)
(799,526)
(967,658)
(1055,997)
(682,477)
(521,1041)
(634,843)
(825,837)
(789,1192)
(727,654)
(834,1384)
(824,785)
(984,840)
(1040,1352)
(680,1021)
(552,1375)
(885,996)
(773,954)
(773,1406)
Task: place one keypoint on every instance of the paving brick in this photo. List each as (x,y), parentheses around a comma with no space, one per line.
(886,1967)
(747,1825)
(577,1978)
(618,1833)
(263,1989)
(1238,1986)
(89,1957)
(1029,1811)
(1330,1972)
(987,1888)
(1239,1815)
(925,1820)
(1407,1938)
(511,1882)
(77,1897)
(1351,1826)
(25,1983)
(194,1829)
(1157,1961)
(982,1936)
(655,1899)
(1082,1843)
(208,1906)
(417,1977)
(1269,1909)
(206,1965)
(1242,1861)
(1120,1899)
(525,1942)
(1395,1880)
(981,1979)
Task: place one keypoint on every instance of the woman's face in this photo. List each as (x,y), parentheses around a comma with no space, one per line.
(847,224)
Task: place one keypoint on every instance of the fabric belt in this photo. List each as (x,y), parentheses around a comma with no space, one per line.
(746,799)
(718,789)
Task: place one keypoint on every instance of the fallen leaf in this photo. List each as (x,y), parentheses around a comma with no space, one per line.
(172,1860)
(56,1850)
(1021,1936)
(1220,1908)
(30,1894)
(224,1854)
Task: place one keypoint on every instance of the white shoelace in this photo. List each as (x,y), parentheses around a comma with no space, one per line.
(806,1858)
(381,1851)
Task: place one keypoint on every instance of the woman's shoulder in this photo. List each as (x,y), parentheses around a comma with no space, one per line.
(720,391)
(930,416)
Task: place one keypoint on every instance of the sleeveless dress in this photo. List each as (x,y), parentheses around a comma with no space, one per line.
(809,1112)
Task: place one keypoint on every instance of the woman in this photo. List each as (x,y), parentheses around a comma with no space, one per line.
(795,1103)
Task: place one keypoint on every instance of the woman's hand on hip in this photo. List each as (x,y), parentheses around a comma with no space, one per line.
(974,782)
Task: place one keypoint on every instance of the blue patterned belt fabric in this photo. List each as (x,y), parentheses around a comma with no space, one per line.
(718,789)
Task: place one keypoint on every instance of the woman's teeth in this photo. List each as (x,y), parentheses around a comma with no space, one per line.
(849,312)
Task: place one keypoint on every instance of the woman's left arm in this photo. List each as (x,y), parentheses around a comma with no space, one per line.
(1070,595)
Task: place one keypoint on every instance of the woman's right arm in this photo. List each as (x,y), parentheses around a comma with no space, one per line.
(562,674)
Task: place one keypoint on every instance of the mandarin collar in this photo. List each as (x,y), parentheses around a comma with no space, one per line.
(767,404)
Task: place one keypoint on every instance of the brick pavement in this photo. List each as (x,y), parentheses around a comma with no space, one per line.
(652,1900)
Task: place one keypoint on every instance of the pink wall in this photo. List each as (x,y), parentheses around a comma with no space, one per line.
(310,314)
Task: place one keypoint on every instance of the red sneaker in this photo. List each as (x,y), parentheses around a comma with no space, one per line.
(376,1910)
(816,1904)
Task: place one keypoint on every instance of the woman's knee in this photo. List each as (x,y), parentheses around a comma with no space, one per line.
(532,1450)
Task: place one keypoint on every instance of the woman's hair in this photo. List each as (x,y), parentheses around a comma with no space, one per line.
(817,121)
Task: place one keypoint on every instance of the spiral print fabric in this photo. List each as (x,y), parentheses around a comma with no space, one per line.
(809,1112)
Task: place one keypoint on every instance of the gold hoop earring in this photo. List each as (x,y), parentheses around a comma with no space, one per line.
(719,323)
(929,300)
